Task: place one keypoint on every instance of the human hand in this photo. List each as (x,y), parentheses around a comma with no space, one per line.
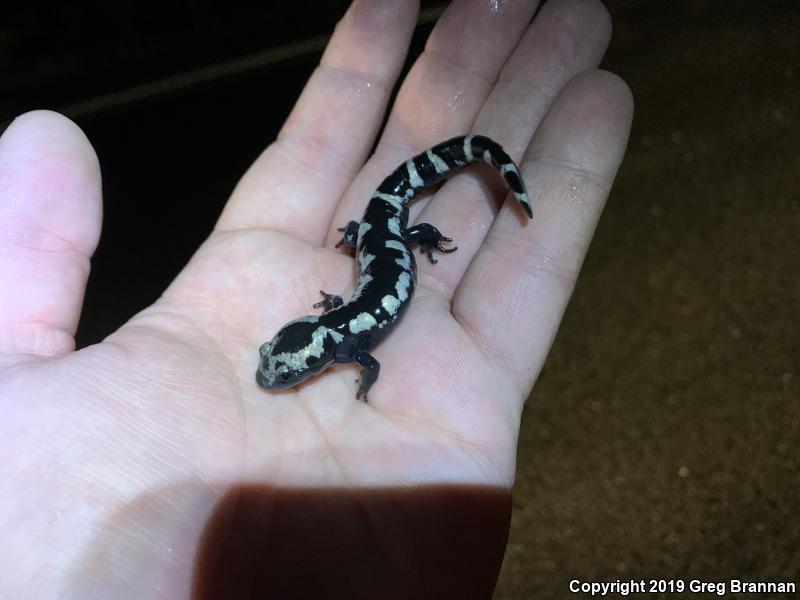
(152,466)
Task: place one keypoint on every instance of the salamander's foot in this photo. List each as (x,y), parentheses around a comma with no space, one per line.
(429,239)
(428,249)
(329,302)
(350,236)
(371,368)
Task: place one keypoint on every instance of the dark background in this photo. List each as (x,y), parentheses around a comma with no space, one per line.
(661,440)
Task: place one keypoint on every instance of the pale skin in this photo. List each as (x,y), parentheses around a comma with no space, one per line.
(130,444)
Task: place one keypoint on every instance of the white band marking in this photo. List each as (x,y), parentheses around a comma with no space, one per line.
(413,177)
(468,148)
(438,163)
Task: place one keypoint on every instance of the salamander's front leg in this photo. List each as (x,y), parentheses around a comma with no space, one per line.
(329,302)
(350,236)
(428,238)
(369,373)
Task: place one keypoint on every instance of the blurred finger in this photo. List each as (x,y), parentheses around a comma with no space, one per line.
(50,217)
(295,184)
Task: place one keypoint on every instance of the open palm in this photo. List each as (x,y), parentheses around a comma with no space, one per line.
(119,451)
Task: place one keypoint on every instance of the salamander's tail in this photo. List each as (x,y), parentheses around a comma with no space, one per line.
(432,166)
(480,147)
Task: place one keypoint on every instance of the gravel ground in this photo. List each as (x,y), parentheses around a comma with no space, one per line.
(661,440)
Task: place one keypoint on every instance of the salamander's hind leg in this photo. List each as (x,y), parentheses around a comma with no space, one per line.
(369,373)
(350,237)
(429,239)
(329,302)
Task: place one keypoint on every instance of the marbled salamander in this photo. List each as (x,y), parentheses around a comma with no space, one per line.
(387,272)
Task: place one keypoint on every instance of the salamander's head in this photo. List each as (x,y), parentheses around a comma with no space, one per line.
(300,349)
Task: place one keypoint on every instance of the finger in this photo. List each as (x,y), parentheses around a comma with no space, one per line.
(295,184)
(566,38)
(443,91)
(514,293)
(50,216)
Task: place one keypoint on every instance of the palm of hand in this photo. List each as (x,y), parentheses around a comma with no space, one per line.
(436,413)
(166,408)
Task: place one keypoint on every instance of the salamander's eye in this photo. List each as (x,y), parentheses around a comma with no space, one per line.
(285,376)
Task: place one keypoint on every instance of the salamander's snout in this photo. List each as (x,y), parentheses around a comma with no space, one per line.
(269,380)
(300,349)
(261,380)
(271,374)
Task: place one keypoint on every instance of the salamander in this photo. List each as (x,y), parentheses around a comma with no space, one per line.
(387,271)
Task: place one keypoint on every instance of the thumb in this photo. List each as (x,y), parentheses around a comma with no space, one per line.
(50,217)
